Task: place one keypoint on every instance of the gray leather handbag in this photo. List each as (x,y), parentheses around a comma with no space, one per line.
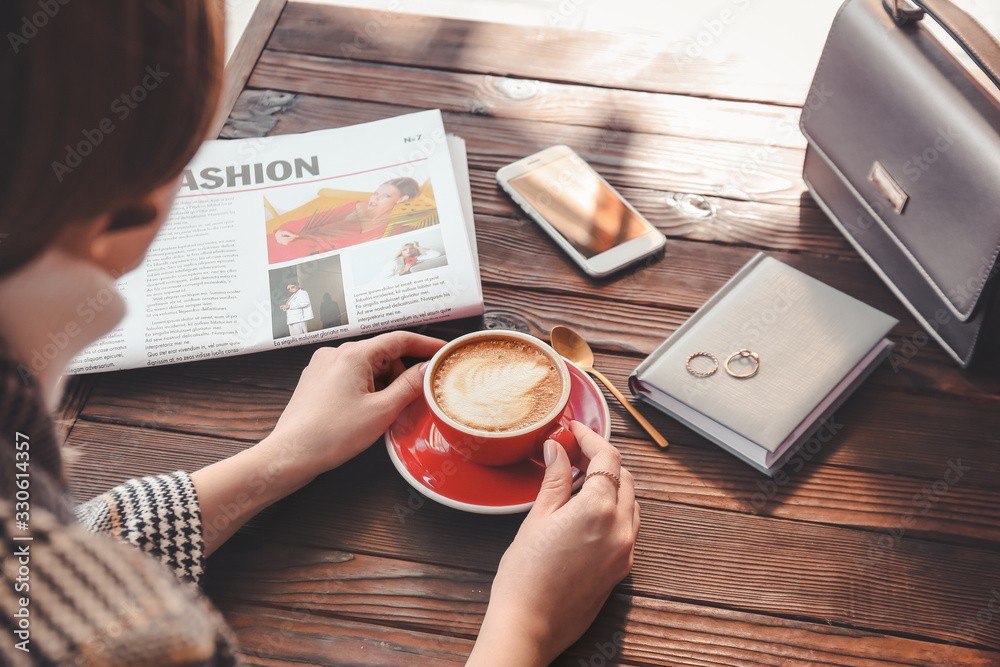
(903,154)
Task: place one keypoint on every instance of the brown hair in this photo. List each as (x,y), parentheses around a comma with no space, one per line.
(103,102)
(406,186)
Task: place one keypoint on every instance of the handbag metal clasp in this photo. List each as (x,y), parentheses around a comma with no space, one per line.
(903,11)
(888,187)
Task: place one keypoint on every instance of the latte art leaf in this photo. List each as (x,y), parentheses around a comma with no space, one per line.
(492,396)
(497,386)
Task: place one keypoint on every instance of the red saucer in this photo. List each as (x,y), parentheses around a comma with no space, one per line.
(430,465)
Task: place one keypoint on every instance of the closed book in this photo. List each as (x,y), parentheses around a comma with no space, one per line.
(814,346)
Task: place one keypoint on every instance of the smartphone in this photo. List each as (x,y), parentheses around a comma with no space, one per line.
(587,217)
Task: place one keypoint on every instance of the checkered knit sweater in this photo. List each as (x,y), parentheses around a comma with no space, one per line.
(112,585)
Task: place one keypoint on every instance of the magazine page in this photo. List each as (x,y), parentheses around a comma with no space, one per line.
(295,239)
(460,162)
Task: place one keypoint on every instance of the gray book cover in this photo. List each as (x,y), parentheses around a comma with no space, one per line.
(809,338)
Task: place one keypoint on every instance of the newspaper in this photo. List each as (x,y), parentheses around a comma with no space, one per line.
(296,239)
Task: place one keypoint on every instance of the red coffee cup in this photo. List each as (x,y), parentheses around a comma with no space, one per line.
(499,447)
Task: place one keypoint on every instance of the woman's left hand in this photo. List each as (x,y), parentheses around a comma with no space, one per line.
(346,397)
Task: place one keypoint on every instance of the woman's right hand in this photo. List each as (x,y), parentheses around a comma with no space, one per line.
(565,560)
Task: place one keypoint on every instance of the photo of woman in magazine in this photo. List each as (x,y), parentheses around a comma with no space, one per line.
(407,259)
(329,223)
(398,259)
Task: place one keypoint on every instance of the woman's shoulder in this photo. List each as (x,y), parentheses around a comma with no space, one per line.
(83,598)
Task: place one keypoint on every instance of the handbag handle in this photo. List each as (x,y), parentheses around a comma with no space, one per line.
(970,34)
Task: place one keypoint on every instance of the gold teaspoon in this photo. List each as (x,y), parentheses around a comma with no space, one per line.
(572,346)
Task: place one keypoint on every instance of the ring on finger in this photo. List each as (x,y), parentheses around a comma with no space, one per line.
(618,483)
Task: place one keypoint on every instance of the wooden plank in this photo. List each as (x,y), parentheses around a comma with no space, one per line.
(762,565)
(636,330)
(815,489)
(244,57)
(702,218)
(287,638)
(896,432)
(105,455)
(882,431)
(699,51)
(374,513)
(711,168)
(204,408)
(514,253)
(336,586)
(377,511)
(74,396)
(517,254)
(613,110)
(790,227)
(924,369)
(826,484)
(661,632)
(833,574)
(386,591)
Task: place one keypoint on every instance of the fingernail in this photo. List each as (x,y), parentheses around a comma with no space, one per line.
(549,452)
(421,367)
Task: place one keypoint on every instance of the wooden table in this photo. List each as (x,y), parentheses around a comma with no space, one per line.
(867,556)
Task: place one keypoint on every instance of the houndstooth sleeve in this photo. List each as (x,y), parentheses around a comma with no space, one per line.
(159,514)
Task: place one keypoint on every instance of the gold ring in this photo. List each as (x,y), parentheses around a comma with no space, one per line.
(703,374)
(746,354)
(618,483)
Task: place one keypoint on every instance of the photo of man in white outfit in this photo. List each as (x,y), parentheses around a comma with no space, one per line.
(298,310)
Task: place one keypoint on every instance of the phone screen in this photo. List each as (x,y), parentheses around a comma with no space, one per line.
(570,196)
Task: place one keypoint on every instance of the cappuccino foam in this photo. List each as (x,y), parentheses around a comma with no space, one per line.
(497,385)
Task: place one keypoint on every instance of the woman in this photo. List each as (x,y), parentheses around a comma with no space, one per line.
(104,104)
(406,259)
(350,224)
